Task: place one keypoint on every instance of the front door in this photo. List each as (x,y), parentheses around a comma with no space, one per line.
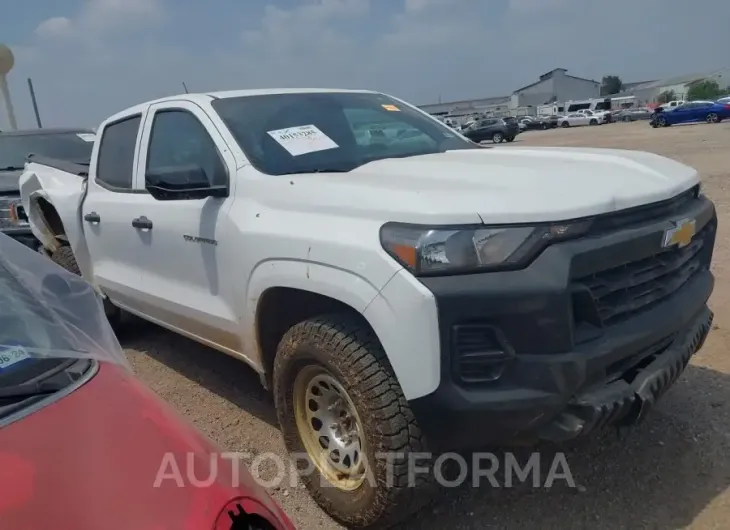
(186,287)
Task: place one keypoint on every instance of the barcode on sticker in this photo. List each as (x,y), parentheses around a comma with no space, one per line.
(12,355)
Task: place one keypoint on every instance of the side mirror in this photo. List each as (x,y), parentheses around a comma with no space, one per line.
(181,183)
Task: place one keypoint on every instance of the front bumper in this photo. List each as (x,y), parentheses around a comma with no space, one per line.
(545,371)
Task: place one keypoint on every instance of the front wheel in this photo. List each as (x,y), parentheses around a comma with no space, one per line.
(565,125)
(661,121)
(593,122)
(713,117)
(341,408)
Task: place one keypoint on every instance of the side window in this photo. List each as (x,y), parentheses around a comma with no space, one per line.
(115,165)
(179,139)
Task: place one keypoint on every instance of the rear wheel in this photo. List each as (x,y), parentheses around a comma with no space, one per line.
(498,138)
(340,405)
(627,119)
(511,139)
(713,117)
(65,258)
(593,122)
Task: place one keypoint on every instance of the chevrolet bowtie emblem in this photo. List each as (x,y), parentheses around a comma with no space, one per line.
(680,235)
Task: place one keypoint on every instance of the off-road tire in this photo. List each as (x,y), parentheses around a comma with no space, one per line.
(65,258)
(351,352)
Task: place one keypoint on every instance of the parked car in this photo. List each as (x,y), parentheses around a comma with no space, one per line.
(671,104)
(578,120)
(495,129)
(603,116)
(724,100)
(634,114)
(15,146)
(82,439)
(535,123)
(691,112)
(397,299)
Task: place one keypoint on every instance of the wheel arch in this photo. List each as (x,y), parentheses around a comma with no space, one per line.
(284,293)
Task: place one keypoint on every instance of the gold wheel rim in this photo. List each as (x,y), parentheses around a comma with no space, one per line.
(329,427)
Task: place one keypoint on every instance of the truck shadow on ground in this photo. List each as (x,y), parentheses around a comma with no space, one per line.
(661,474)
(231,379)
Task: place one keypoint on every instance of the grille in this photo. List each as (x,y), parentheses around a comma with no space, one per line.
(641,214)
(621,292)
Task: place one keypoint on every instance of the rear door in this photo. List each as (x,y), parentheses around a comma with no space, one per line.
(111,202)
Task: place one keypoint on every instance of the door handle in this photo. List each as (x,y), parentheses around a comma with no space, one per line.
(142,223)
(92,217)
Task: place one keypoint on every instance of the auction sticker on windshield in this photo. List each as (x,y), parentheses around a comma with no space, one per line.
(303,140)
(10,355)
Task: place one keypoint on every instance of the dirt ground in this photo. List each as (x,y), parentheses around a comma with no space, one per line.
(671,472)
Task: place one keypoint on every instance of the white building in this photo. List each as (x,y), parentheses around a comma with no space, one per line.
(649,92)
(555,85)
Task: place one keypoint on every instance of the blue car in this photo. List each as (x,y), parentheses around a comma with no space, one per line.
(690,112)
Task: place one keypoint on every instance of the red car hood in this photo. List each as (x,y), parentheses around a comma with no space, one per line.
(90,461)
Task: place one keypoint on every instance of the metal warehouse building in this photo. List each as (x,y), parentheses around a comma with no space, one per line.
(555,85)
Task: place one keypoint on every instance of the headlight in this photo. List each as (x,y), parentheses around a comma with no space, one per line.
(429,251)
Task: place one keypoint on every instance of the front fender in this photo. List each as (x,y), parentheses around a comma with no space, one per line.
(402,313)
(341,285)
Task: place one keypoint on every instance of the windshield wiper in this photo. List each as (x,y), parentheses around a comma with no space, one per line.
(26,390)
(11,168)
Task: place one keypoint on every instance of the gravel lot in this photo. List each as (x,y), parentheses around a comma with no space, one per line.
(671,472)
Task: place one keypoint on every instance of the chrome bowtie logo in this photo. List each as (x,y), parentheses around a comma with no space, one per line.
(681,234)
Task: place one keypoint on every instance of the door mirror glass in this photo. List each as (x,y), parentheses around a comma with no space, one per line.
(181,182)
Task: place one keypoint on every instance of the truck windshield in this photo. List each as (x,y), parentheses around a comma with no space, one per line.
(15,148)
(330,131)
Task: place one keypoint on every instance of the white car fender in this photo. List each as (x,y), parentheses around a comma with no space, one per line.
(342,285)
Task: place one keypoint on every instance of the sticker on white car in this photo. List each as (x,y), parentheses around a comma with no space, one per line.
(303,139)
(86,137)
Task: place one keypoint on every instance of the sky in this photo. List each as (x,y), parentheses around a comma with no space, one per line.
(92,58)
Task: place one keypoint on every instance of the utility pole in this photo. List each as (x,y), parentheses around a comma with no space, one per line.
(35,103)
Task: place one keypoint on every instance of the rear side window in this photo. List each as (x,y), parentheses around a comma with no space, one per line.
(115,167)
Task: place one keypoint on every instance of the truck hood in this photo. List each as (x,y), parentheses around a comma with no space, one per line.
(9,181)
(498,185)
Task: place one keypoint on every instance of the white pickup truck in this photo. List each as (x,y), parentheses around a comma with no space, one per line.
(399,292)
